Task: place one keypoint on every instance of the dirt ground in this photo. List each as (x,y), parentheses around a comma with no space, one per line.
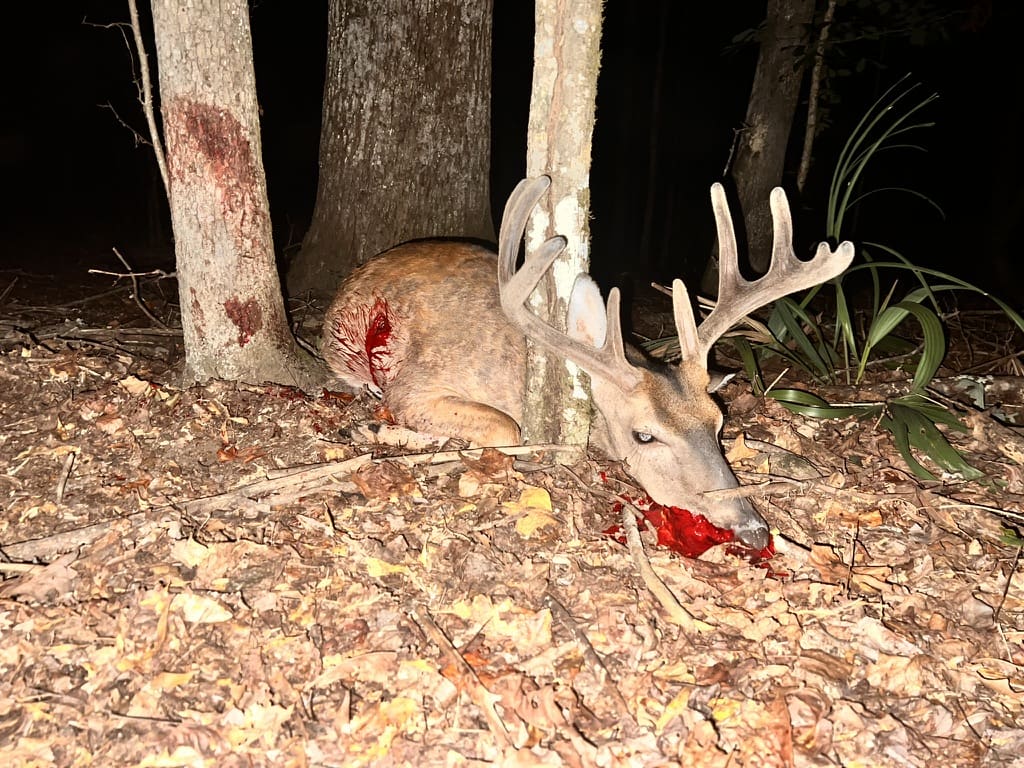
(235,575)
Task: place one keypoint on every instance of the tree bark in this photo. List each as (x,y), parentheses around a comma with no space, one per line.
(405,138)
(567,57)
(232,311)
(814,94)
(761,152)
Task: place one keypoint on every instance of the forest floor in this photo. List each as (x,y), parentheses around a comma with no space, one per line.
(235,575)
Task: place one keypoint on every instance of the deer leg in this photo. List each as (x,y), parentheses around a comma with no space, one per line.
(481,424)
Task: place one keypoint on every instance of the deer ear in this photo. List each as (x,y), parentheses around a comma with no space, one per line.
(587,321)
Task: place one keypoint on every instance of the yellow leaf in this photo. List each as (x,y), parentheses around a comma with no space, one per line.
(533,508)
(257,723)
(379,568)
(400,710)
(198,609)
(182,756)
(532,522)
(332,453)
(677,707)
(419,665)
(535,498)
(166,680)
(155,600)
(680,672)
(723,709)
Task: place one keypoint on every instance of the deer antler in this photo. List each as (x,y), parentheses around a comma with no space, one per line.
(738,297)
(514,288)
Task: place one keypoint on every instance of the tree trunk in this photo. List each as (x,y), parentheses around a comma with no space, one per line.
(814,94)
(232,312)
(761,153)
(405,138)
(567,57)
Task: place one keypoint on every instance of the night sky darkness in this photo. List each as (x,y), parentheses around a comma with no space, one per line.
(74,184)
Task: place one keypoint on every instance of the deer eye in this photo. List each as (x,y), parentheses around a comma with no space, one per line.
(643,437)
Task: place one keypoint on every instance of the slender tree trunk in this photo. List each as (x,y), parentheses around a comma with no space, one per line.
(567,57)
(405,137)
(814,94)
(761,153)
(232,312)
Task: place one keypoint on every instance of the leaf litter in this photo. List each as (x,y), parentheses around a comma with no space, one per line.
(237,575)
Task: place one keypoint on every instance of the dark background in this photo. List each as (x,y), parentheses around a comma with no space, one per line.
(74,183)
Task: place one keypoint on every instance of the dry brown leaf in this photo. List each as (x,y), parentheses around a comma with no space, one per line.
(899,675)
(110,424)
(868,578)
(199,609)
(45,583)
(1001,676)
(385,480)
(189,552)
(493,465)
(320,589)
(136,387)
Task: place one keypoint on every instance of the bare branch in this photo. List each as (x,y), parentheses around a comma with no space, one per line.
(147,96)
(139,138)
(134,277)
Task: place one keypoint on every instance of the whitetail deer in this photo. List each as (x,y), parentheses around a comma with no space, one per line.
(439,329)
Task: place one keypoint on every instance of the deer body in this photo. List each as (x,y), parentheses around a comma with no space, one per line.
(439,330)
(444,368)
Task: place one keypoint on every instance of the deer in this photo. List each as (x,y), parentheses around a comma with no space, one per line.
(438,329)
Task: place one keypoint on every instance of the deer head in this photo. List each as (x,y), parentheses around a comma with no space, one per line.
(660,419)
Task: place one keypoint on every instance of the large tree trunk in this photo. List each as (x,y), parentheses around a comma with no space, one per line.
(405,138)
(761,152)
(567,57)
(232,311)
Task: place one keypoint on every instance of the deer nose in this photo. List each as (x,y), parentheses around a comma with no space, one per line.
(753,534)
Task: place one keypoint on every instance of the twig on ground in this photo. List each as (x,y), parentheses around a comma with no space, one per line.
(289,482)
(111,333)
(677,613)
(158,273)
(18,568)
(48,547)
(1006,586)
(10,287)
(776,485)
(280,487)
(65,474)
(564,618)
(468,681)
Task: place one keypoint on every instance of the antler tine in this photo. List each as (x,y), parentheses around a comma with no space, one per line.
(513,222)
(514,288)
(686,324)
(738,297)
(613,348)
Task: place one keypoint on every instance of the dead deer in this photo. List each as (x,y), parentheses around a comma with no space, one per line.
(439,328)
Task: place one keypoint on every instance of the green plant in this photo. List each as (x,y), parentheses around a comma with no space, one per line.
(840,351)
(837,351)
